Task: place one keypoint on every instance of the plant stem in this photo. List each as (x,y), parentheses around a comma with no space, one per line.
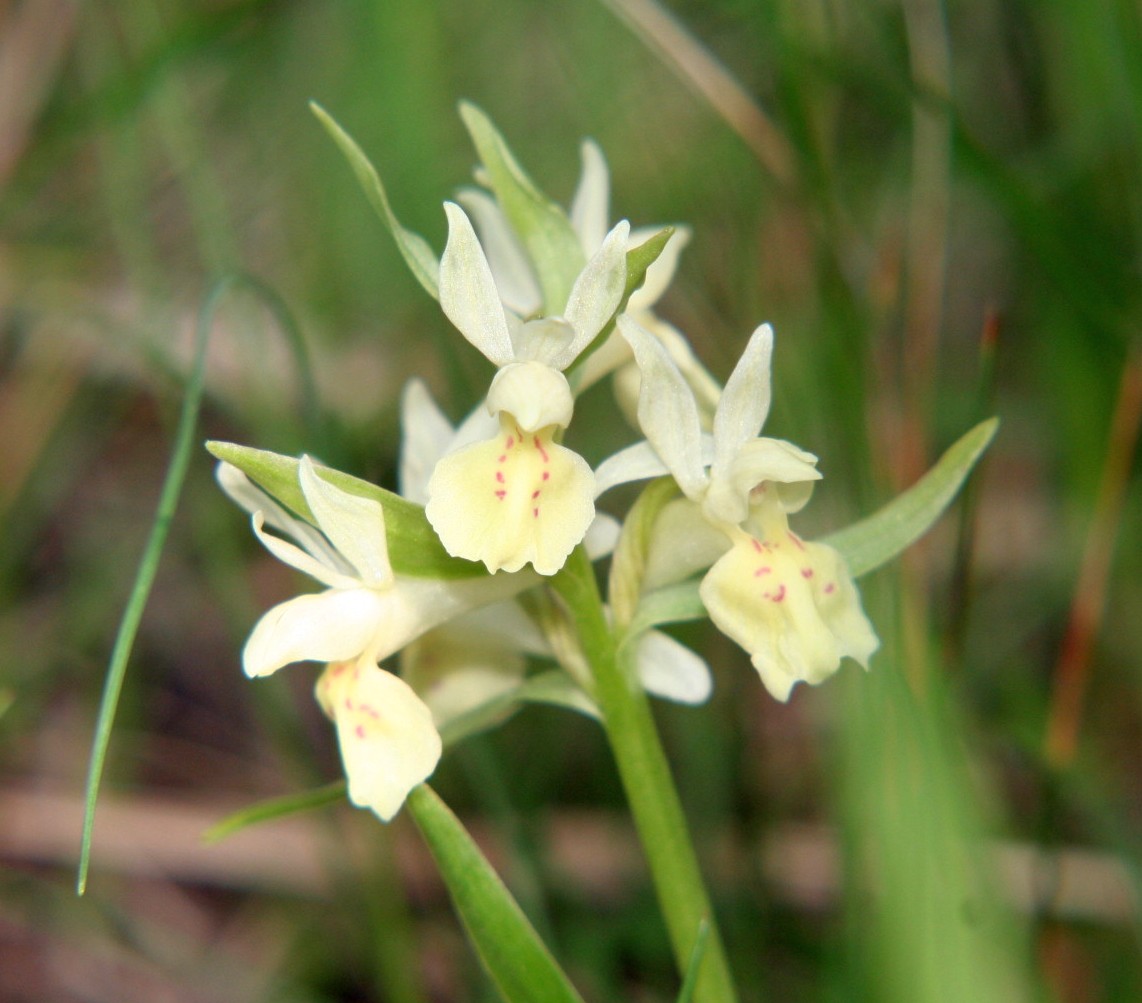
(649,786)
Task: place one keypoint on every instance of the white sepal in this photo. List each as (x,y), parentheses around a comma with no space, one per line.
(666,410)
(745,400)
(597,293)
(329,626)
(670,670)
(590,204)
(426,435)
(511,267)
(468,293)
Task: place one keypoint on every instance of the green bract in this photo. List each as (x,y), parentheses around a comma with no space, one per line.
(414,548)
(541,224)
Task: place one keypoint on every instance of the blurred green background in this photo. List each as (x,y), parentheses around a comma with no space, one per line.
(938,206)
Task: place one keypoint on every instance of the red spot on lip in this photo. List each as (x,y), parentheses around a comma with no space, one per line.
(510,442)
(542,451)
(500,495)
(778,595)
(503,456)
(535,513)
(756,545)
(359,731)
(806,572)
(762,571)
(796,540)
(830,588)
(499,477)
(535,494)
(547,475)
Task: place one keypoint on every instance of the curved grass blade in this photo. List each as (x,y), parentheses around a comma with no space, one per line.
(517,960)
(145,576)
(274,808)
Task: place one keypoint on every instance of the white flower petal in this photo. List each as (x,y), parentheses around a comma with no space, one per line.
(389,743)
(297,558)
(762,468)
(426,435)
(590,205)
(602,536)
(596,293)
(239,488)
(671,670)
(511,267)
(354,525)
(331,626)
(745,400)
(634,463)
(468,293)
(667,411)
(517,499)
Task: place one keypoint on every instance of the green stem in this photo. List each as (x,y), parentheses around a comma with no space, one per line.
(649,786)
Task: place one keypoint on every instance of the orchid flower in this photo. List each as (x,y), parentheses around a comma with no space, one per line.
(589,214)
(519,497)
(790,603)
(388,740)
(480,656)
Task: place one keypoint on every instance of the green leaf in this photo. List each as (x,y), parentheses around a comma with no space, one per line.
(415,250)
(273,808)
(872,542)
(542,225)
(414,548)
(517,960)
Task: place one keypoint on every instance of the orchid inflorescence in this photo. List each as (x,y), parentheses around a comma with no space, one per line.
(451,574)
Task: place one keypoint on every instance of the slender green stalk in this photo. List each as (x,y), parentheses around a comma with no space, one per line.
(649,787)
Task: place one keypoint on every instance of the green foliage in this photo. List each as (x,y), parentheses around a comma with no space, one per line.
(517,960)
(414,549)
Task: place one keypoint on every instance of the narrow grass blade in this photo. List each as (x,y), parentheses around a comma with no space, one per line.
(144,578)
(273,808)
